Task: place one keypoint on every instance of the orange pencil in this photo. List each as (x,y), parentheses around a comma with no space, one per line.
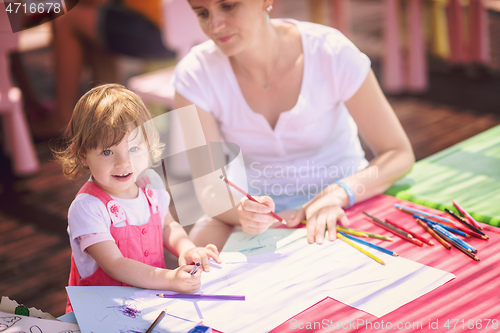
(434,234)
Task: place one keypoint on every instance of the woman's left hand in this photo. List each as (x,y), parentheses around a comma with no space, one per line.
(201,255)
(323,211)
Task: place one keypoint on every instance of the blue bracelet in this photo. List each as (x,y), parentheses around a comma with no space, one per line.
(349,191)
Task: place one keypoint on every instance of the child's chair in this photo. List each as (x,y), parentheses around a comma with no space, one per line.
(18,141)
(181,31)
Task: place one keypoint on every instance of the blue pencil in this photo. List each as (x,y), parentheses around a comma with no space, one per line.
(450,229)
(452,237)
(376,247)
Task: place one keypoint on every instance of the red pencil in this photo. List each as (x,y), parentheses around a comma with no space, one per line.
(467,215)
(395,230)
(423,239)
(273,214)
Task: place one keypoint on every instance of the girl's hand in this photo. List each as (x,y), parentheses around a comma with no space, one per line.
(254,217)
(324,210)
(201,255)
(182,281)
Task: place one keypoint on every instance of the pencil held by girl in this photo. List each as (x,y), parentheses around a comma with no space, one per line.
(117,229)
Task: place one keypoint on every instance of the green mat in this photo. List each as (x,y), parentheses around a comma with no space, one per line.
(468,172)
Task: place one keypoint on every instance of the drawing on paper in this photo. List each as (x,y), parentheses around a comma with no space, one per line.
(127,309)
(6,322)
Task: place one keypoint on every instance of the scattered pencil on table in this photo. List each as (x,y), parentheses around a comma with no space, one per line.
(396,231)
(467,224)
(420,238)
(373,246)
(434,234)
(203,296)
(467,215)
(360,249)
(273,214)
(195,268)
(158,319)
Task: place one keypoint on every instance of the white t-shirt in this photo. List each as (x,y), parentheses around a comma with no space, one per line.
(314,143)
(88,215)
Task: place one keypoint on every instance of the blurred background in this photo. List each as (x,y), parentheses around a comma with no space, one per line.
(438,62)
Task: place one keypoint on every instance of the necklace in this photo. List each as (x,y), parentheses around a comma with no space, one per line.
(269,82)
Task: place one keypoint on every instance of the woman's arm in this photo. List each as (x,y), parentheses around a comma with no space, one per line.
(382,131)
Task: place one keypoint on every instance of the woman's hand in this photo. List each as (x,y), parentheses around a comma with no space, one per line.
(323,211)
(201,255)
(182,281)
(254,216)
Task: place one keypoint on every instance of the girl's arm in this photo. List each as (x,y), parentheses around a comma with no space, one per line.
(382,131)
(178,243)
(135,273)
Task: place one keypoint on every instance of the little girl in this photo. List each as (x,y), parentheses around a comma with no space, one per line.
(117,229)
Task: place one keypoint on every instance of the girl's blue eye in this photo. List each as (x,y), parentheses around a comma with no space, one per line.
(106,152)
(133,149)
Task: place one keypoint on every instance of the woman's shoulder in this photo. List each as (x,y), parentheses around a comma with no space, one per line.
(318,35)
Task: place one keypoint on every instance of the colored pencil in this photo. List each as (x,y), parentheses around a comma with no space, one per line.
(158,319)
(360,249)
(467,215)
(466,223)
(434,234)
(203,296)
(443,232)
(376,236)
(445,226)
(425,240)
(460,247)
(376,247)
(394,230)
(353,232)
(273,214)
(412,211)
(195,268)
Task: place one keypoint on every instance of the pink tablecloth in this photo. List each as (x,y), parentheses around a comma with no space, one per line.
(465,303)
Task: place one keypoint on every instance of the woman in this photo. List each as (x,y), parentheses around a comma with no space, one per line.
(293,96)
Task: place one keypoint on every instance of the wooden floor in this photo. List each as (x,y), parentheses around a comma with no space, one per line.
(34,246)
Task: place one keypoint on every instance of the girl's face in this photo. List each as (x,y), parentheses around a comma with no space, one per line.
(231,24)
(116,168)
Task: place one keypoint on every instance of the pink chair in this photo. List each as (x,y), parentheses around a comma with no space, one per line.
(18,141)
(401,73)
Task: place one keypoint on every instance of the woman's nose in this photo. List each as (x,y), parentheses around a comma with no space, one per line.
(216,22)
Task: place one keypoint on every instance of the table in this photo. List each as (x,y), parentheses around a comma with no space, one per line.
(472,295)
(468,172)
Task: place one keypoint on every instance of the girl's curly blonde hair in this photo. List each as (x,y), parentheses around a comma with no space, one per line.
(101,118)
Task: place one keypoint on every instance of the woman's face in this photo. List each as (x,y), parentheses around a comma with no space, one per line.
(231,24)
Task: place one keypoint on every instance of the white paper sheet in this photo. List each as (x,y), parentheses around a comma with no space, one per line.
(280,284)
(10,323)
(277,284)
(112,310)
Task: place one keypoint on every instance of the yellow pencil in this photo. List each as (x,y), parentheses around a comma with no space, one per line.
(385,238)
(353,232)
(360,249)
